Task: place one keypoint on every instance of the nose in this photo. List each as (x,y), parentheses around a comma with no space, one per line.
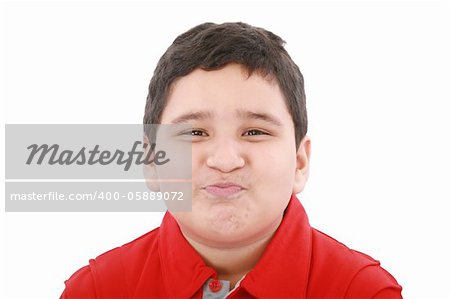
(225,156)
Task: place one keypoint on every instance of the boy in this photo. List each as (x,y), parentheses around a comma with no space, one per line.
(247,235)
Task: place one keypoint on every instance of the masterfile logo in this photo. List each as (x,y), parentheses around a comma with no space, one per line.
(67,157)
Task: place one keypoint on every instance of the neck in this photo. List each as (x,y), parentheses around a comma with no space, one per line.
(233,263)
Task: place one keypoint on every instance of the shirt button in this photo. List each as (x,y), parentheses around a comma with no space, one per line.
(215,285)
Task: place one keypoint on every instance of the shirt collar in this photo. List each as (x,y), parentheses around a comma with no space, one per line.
(184,271)
(282,270)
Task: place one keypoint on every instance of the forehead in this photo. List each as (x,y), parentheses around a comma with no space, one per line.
(225,91)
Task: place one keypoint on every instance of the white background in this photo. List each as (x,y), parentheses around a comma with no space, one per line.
(377,80)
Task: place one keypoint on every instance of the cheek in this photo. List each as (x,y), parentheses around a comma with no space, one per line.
(275,179)
(275,166)
(199,157)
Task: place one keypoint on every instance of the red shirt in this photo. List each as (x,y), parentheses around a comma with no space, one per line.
(299,262)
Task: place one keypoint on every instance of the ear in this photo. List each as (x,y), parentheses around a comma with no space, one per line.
(150,173)
(302,168)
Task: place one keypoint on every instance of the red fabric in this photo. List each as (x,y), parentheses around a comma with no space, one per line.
(299,262)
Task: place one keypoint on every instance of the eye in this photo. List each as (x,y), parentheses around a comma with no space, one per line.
(255,132)
(196,133)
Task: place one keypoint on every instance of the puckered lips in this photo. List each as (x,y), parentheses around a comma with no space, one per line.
(223,189)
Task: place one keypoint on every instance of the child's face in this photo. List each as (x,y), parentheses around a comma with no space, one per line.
(244,161)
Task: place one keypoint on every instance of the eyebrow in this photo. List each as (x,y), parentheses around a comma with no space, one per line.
(242,114)
(201,115)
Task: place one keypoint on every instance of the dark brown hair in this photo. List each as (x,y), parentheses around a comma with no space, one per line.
(212,46)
